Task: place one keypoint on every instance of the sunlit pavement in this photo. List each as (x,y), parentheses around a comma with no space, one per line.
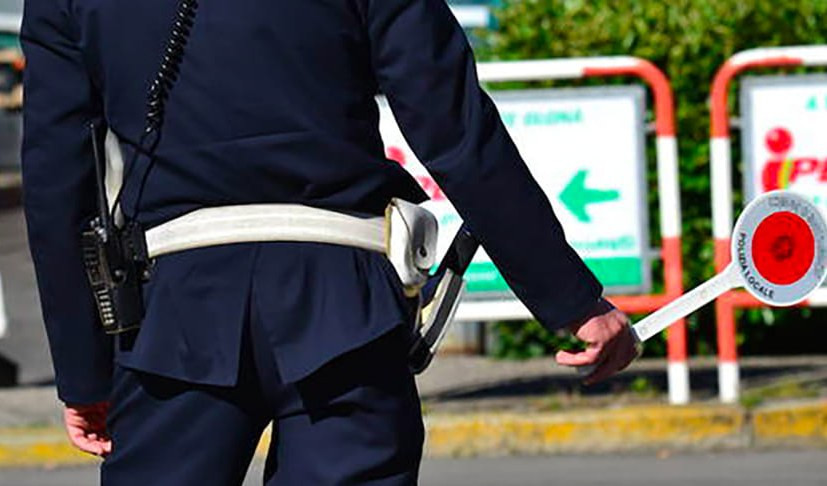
(804,468)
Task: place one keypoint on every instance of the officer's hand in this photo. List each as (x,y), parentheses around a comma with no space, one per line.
(86,426)
(610,346)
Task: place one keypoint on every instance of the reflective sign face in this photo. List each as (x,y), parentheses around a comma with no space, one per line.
(585,147)
(780,248)
(785,137)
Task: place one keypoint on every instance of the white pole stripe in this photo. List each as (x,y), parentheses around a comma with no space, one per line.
(728,381)
(678,376)
(472,15)
(549,69)
(821,60)
(721,161)
(668,188)
(810,55)
(492,311)
(819,298)
(529,70)
(10,23)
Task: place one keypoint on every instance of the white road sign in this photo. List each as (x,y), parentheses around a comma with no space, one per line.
(785,135)
(785,138)
(585,147)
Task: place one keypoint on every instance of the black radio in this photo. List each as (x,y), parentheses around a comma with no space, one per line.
(115,256)
(117,266)
(115,259)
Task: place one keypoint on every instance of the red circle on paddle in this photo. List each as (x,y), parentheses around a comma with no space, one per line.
(783,248)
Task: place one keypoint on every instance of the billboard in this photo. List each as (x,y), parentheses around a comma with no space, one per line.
(585,147)
(784,141)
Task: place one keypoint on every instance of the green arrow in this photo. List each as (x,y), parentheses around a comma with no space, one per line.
(576,196)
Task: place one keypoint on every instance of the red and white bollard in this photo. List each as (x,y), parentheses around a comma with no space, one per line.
(721,182)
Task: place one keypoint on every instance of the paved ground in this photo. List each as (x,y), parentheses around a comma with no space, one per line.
(806,468)
(10,134)
(468,384)
(25,342)
(462,382)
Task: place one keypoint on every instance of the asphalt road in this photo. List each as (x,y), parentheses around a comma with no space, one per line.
(805,468)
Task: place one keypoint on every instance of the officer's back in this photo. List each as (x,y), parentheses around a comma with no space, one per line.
(274,102)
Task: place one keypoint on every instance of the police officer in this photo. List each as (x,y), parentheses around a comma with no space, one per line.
(273,103)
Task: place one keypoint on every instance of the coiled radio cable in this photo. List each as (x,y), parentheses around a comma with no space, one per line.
(159,91)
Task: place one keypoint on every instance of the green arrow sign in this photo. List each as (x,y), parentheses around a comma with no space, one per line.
(576,196)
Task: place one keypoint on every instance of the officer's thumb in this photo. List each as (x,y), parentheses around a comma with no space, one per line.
(582,358)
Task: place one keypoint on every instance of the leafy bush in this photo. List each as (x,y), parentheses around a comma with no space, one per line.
(524,340)
(689,40)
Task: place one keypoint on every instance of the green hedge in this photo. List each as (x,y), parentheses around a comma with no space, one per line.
(688,40)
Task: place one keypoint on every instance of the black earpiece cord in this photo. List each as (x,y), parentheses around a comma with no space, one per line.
(156,103)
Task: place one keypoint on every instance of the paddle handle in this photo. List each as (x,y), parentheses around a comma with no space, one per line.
(687,304)
(680,308)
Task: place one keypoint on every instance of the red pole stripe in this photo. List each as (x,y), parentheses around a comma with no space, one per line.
(723,253)
(676,347)
(727,343)
(673,266)
(640,304)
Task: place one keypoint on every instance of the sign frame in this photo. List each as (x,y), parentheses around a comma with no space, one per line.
(748,84)
(747,109)
(637,95)
(782,57)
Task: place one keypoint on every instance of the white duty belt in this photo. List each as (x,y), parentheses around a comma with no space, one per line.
(407,234)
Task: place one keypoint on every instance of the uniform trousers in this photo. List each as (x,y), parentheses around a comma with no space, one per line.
(356,420)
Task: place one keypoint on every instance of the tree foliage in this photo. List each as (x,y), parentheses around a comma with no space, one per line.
(689,40)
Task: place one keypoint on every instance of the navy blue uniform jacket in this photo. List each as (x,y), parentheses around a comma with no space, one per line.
(275,103)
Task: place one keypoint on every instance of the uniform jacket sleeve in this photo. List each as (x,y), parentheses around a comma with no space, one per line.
(59,196)
(425,67)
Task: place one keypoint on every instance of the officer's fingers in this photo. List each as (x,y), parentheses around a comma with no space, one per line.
(97,445)
(86,444)
(107,447)
(75,420)
(86,440)
(583,358)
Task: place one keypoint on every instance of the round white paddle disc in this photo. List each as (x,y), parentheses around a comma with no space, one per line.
(779,254)
(779,248)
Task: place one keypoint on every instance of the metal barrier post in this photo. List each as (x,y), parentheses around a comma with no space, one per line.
(721,182)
